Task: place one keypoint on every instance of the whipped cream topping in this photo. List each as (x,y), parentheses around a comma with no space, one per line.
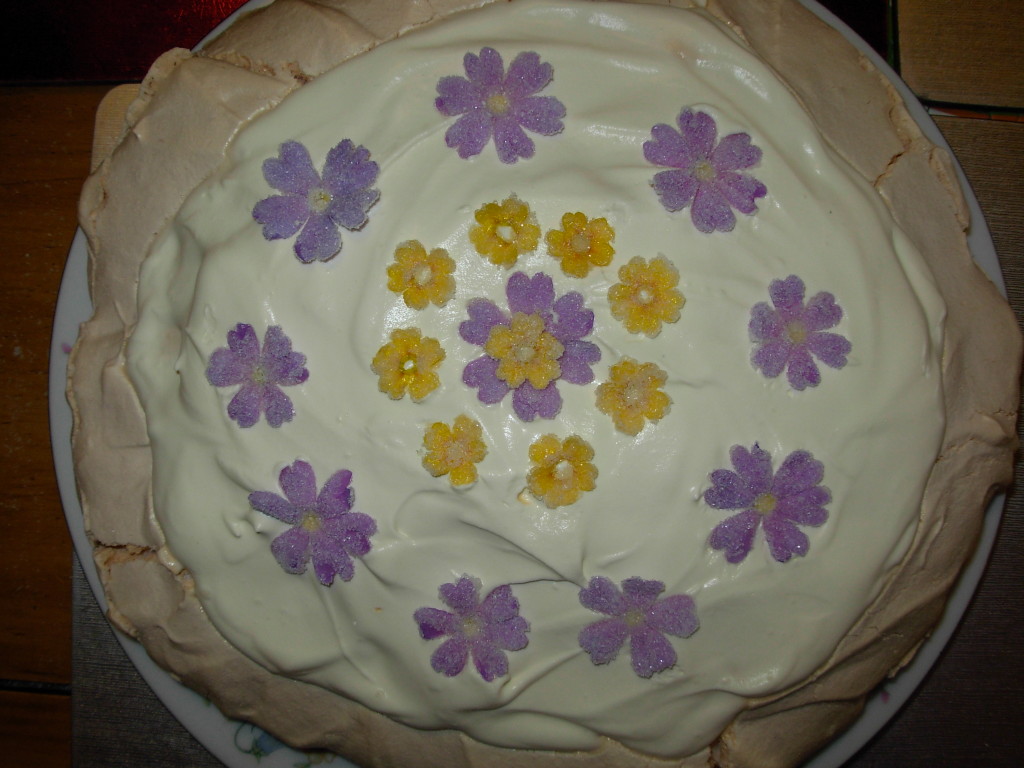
(764,625)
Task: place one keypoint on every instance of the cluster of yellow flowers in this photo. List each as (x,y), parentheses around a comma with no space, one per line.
(645,298)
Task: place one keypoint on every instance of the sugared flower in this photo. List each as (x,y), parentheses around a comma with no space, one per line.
(562,470)
(454,450)
(408,363)
(647,296)
(261,372)
(525,351)
(421,277)
(490,102)
(483,630)
(504,230)
(780,502)
(324,529)
(529,349)
(791,335)
(633,394)
(318,205)
(636,614)
(707,175)
(581,243)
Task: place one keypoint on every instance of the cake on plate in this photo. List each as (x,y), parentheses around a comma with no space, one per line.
(545,382)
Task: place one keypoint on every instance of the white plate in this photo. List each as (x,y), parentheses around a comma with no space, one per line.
(239,745)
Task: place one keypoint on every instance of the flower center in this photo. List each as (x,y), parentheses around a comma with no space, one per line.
(765,504)
(472,626)
(563,471)
(319,199)
(704,171)
(259,374)
(644,296)
(310,522)
(796,331)
(409,364)
(633,393)
(580,242)
(422,274)
(505,232)
(634,617)
(498,104)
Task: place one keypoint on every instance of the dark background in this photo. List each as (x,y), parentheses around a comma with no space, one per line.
(110,41)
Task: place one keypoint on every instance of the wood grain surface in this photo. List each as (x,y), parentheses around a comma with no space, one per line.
(967,713)
(963,52)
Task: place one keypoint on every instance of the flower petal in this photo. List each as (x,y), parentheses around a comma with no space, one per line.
(489,661)
(480,374)
(771,358)
(280,364)
(281,215)
(226,369)
(486,70)
(500,605)
(798,472)
(277,507)
(529,403)
(511,140)
(298,481)
(710,210)
(822,312)
(330,560)
(511,634)
(336,496)
(462,596)
(349,169)
(784,539)
(640,593)
(243,342)
(433,622)
(603,596)
(830,348)
(292,171)
(735,152)
(349,211)
(540,114)
(291,549)
(675,615)
(530,295)
(469,134)
(754,466)
(699,132)
(456,96)
(576,361)
(603,639)
(247,404)
(668,148)
(450,657)
(728,491)
(650,652)
(740,191)
(319,239)
(788,296)
(765,323)
(802,371)
(527,75)
(483,316)
(277,406)
(573,320)
(806,507)
(735,535)
(675,189)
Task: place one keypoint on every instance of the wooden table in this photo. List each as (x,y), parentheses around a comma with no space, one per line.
(954,53)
